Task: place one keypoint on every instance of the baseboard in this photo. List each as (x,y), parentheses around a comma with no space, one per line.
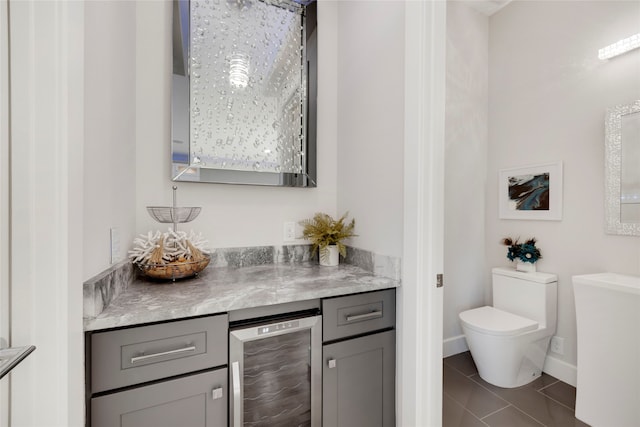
(561,370)
(454,345)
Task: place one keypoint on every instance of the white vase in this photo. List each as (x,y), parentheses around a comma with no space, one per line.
(330,256)
(527,267)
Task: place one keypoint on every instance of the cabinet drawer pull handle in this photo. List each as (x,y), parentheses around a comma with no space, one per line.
(331,363)
(372,315)
(164,353)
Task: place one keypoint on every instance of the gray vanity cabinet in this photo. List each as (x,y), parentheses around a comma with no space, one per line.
(359,360)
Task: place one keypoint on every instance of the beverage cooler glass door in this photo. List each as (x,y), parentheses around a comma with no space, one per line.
(276,373)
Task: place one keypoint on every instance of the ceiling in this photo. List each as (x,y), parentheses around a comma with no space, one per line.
(488,7)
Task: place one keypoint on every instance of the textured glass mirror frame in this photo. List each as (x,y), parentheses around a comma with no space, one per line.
(614,164)
(244,88)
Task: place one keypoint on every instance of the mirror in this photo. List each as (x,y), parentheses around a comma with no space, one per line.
(244,92)
(622,169)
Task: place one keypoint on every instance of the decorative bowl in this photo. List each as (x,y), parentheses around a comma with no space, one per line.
(167,214)
(174,270)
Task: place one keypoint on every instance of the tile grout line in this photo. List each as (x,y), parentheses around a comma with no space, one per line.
(487,389)
(458,370)
(515,406)
(464,408)
(497,410)
(558,402)
(549,385)
(530,416)
(477,383)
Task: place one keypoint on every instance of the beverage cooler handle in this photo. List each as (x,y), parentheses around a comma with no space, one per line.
(235,384)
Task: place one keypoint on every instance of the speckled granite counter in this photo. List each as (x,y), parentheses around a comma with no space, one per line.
(226,289)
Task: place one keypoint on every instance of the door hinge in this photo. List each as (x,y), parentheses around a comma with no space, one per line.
(439,280)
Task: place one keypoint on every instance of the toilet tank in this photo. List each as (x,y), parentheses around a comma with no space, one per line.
(530,295)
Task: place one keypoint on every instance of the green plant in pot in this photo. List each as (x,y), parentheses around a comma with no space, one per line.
(326,235)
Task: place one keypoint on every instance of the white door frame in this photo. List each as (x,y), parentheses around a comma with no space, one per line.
(420,302)
(5,261)
(46,138)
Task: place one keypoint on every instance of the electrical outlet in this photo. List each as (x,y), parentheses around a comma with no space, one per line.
(116,253)
(557,345)
(289,231)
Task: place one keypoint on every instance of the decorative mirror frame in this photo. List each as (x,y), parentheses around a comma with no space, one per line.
(189,170)
(613,170)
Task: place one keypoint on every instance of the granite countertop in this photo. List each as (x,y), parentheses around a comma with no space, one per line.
(224,289)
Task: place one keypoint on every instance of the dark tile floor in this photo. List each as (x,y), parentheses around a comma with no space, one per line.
(470,401)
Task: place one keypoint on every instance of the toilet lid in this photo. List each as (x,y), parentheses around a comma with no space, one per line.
(492,321)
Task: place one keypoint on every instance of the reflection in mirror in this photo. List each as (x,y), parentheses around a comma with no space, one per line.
(244,90)
(630,168)
(622,169)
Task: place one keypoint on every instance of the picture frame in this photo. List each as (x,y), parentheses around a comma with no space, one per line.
(531,192)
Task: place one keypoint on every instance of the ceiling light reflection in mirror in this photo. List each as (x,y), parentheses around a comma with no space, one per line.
(246,92)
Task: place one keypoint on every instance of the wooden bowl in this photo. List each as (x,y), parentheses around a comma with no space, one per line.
(174,270)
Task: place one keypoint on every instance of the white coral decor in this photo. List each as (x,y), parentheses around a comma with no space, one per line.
(168,247)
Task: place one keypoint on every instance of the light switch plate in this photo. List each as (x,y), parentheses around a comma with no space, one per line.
(289,231)
(116,251)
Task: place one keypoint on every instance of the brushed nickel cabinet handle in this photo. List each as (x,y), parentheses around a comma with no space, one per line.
(216,393)
(163,353)
(365,316)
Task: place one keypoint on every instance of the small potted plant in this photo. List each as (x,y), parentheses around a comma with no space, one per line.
(525,254)
(326,235)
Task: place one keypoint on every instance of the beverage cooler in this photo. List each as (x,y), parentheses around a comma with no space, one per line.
(276,372)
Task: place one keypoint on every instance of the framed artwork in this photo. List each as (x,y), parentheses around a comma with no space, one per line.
(531,192)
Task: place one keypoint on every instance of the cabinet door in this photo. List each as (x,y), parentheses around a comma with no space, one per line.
(358,387)
(192,401)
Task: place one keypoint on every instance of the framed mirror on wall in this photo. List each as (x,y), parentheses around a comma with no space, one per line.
(622,169)
(244,88)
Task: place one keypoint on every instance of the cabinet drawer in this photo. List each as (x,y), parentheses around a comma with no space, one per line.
(196,400)
(358,314)
(131,356)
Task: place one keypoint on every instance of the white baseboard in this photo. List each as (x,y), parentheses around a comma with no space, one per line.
(454,345)
(561,370)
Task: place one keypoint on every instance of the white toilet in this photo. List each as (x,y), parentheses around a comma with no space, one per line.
(509,341)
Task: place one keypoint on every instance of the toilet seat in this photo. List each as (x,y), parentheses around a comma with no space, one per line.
(492,321)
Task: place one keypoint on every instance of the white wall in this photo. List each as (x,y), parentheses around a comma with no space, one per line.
(370,121)
(128,136)
(548,94)
(232,215)
(466,146)
(110,130)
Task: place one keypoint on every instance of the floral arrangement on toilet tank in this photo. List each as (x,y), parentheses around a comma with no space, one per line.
(525,254)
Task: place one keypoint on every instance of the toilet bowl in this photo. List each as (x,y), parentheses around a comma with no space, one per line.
(509,340)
